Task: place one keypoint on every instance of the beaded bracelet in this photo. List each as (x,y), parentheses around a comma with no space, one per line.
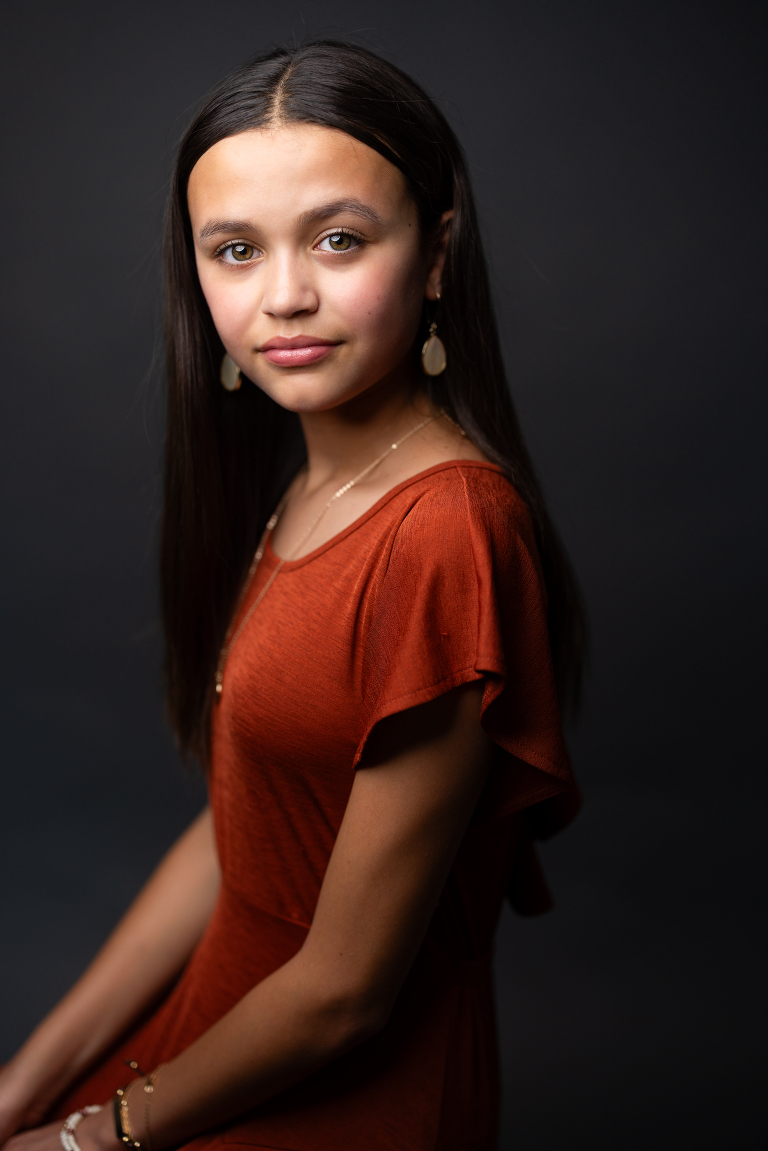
(71,1124)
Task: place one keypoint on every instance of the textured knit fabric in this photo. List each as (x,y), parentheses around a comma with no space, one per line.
(437,585)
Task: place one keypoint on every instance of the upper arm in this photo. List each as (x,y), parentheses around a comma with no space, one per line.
(410,804)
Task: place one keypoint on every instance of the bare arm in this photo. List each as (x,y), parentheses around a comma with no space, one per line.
(406,816)
(146,950)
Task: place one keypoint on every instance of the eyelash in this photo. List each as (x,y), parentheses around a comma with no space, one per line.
(218,254)
(343,232)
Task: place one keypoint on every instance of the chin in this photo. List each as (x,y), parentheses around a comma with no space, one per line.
(304,392)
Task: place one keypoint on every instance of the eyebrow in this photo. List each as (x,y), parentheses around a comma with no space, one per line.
(322,212)
(355,207)
(216,227)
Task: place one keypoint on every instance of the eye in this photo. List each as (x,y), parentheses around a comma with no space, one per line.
(339,242)
(236,253)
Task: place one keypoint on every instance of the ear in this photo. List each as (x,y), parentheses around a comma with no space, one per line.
(433,286)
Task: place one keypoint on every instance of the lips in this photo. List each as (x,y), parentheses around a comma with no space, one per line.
(296,351)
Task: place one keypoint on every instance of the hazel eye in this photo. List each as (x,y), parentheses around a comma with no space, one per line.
(338,242)
(239,253)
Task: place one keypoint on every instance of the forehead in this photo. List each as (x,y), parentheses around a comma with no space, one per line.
(289,169)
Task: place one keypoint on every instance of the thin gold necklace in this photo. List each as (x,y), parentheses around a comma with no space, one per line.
(230,640)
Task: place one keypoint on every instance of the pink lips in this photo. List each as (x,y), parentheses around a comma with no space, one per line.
(297,351)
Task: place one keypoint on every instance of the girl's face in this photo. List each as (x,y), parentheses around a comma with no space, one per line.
(310,259)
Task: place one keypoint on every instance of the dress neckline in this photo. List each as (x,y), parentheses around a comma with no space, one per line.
(290,565)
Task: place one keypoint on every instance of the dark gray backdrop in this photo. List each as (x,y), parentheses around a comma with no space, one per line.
(615,155)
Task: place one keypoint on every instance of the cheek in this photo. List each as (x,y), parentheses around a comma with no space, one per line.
(382,305)
(231,308)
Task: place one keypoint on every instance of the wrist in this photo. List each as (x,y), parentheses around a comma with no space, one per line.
(97,1132)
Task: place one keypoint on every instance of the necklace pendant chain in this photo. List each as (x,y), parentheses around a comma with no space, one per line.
(231,639)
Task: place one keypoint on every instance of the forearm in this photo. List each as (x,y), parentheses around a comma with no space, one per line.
(289,1025)
(143,954)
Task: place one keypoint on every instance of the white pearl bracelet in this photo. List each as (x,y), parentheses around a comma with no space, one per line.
(71,1124)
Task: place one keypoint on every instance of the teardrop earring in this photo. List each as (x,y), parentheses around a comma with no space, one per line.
(433,358)
(229,375)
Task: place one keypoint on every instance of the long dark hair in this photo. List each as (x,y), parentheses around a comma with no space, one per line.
(229,454)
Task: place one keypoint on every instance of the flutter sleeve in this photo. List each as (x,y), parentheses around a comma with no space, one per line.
(460,597)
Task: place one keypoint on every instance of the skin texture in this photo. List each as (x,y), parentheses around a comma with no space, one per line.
(279,196)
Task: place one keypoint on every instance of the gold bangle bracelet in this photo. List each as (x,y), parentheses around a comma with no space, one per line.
(122,1117)
(149,1088)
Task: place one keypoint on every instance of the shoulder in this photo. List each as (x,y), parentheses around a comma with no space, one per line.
(461,501)
(446,486)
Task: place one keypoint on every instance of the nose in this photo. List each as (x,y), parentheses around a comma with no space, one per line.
(288,288)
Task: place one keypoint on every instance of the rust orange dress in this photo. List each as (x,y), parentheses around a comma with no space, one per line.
(437,585)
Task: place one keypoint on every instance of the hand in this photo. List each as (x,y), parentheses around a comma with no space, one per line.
(95,1133)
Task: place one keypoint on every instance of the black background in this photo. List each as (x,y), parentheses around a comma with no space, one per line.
(615,151)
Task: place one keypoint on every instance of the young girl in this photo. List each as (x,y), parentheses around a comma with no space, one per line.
(368,620)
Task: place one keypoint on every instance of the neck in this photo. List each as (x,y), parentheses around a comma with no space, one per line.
(344,439)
